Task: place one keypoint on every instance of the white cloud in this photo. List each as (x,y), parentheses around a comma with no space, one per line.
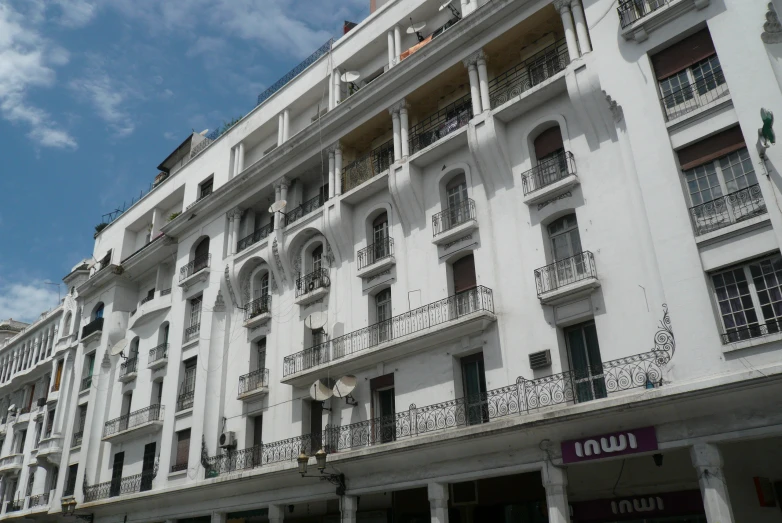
(26,301)
(108,97)
(25,59)
(168,135)
(76,13)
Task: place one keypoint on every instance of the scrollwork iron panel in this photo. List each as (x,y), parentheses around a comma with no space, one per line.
(198,264)
(548,172)
(255,237)
(254,381)
(304,209)
(368,166)
(312,281)
(257,307)
(133,420)
(128,485)
(566,271)
(452,216)
(372,254)
(729,209)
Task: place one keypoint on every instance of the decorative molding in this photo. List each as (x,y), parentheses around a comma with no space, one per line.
(278,262)
(282,181)
(310,304)
(554,199)
(473,58)
(616,109)
(398,106)
(561,5)
(458,240)
(378,275)
(772,29)
(329,252)
(219,305)
(234,213)
(230,287)
(664,341)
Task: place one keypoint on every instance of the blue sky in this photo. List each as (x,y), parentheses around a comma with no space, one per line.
(94,94)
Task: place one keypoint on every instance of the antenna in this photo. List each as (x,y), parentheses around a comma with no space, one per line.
(118,347)
(344,386)
(321,390)
(277,206)
(416,29)
(449,5)
(316,320)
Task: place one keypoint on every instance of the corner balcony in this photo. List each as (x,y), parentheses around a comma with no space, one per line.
(119,487)
(146,310)
(11,464)
(566,280)
(92,331)
(158,357)
(549,178)
(258,312)
(731,209)
(445,320)
(375,258)
(50,449)
(254,385)
(128,370)
(134,425)
(454,222)
(312,287)
(195,271)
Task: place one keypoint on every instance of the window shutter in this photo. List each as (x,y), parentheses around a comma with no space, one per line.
(683,54)
(381,382)
(456,181)
(711,148)
(380,220)
(464,274)
(183,446)
(548,141)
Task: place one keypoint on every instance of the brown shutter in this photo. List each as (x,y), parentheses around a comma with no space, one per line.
(683,54)
(183,446)
(548,141)
(464,274)
(381,382)
(711,148)
(383,218)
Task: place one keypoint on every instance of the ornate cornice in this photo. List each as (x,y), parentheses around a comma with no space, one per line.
(562,5)
(772,29)
(473,58)
(236,212)
(398,106)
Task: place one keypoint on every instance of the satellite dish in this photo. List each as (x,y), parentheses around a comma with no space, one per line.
(350,76)
(415,28)
(321,390)
(12,408)
(118,347)
(203,133)
(344,386)
(445,5)
(277,206)
(316,320)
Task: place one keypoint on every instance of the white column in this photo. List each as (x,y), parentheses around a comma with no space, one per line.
(349,508)
(475,88)
(483,82)
(581,26)
(286,124)
(391,49)
(284,189)
(337,87)
(240,158)
(438,502)
(397,43)
(397,134)
(563,6)
(404,131)
(280,127)
(276,513)
(338,171)
(555,483)
(332,174)
(466,8)
(218,517)
(707,460)
(277,219)
(231,246)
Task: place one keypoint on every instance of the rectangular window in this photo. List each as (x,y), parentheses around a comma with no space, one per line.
(58,376)
(586,364)
(148,466)
(49,422)
(70,481)
(384,406)
(22,440)
(182,450)
(116,474)
(205,189)
(474,380)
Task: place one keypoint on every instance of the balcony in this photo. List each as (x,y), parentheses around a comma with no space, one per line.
(727,210)
(254,385)
(147,308)
(690,97)
(50,449)
(549,178)
(119,487)
(255,237)
(15,505)
(304,209)
(191,333)
(258,311)
(452,318)
(313,286)
(440,124)
(368,166)
(185,401)
(749,332)
(375,258)
(77,438)
(454,222)
(39,500)
(128,370)
(158,357)
(11,464)
(179,467)
(567,279)
(86,383)
(134,424)
(92,331)
(195,271)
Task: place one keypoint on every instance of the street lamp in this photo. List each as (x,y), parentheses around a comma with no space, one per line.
(320,458)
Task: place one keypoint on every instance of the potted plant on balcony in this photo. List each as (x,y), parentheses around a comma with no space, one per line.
(100,227)
(173,216)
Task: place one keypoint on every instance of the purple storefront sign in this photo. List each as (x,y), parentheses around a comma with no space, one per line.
(682,503)
(608,445)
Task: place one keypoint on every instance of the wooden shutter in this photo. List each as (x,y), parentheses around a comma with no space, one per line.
(683,54)
(381,382)
(547,142)
(182,446)
(711,148)
(464,274)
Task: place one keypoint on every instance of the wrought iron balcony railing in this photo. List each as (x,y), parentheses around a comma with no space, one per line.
(453,216)
(255,237)
(632,10)
(726,210)
(196,265)
(375,252)
(253,381)
(185,400)
(311,282)
(368,166)
(77,438)
(564,272)
(86,383)
(689,97)
(192,332)
(752,331)
(257,307)
(158,353)
(39,500)
(440,124)
(529,73)
(119,487)
(452,308)
(133,419)
(129,366)
(547,172)
(94,326)
(296,71)
(304,209)
(146,299)
(176,467)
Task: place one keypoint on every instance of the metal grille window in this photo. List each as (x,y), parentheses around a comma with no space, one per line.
(195,310)
(692,87)
(741,291)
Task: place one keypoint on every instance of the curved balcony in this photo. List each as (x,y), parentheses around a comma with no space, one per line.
(254,385)
(148,308)
(133,425)
(312,286)
(128,370)
(567,279)
(258,311)
(158,357)
(50,449)
(11,464)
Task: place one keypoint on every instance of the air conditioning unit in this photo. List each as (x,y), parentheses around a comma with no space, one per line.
(540,360)
(465,493)
(41,402)
(227,440)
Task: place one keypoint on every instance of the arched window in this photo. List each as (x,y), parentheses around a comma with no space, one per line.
(548,144)
(380,236)
(201,250)
(456,191)
(97,313)
(552,163)
(66,325)
(317,258)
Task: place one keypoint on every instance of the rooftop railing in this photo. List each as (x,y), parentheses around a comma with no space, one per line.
(133,419)
(368,166)
(255,237)
(196,265)
(296,71)
(549,171)
(440,124)
(726,210)
(566,271)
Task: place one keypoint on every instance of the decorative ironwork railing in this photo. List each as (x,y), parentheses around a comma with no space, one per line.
(564,272)
(119,487)
(192,332)
(15,505)
(254,380)
(94,326)
(726,210)
(158,353)
(176,467)
(452,308)
(129,366)
(185,400)
(255,237)
(549,171)
(257,307)
(453,216)
(752,331)
(304,209)
(689,97)
(375,252)
(632,10)
(296,71)
(198,264)
(86,383)
(529,73)
(133,419)
(368,166)
(312,281)
(77,438)
(39,500)
(165,292)
(440,124)
(147,299)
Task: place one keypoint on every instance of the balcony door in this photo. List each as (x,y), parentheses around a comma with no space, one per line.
(474,380)
(464,280)
(316,426)
(116,474)
(456,195)
(380,237)
(566,250)
(387,410)
(383,315)
(148,467)
(317,259)
(586,364)
(550,154)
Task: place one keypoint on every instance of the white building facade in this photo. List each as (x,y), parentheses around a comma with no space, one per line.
(543,237)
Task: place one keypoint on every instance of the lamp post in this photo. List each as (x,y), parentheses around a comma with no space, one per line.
(320,458)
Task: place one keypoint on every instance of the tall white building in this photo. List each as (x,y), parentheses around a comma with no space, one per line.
(543,237)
